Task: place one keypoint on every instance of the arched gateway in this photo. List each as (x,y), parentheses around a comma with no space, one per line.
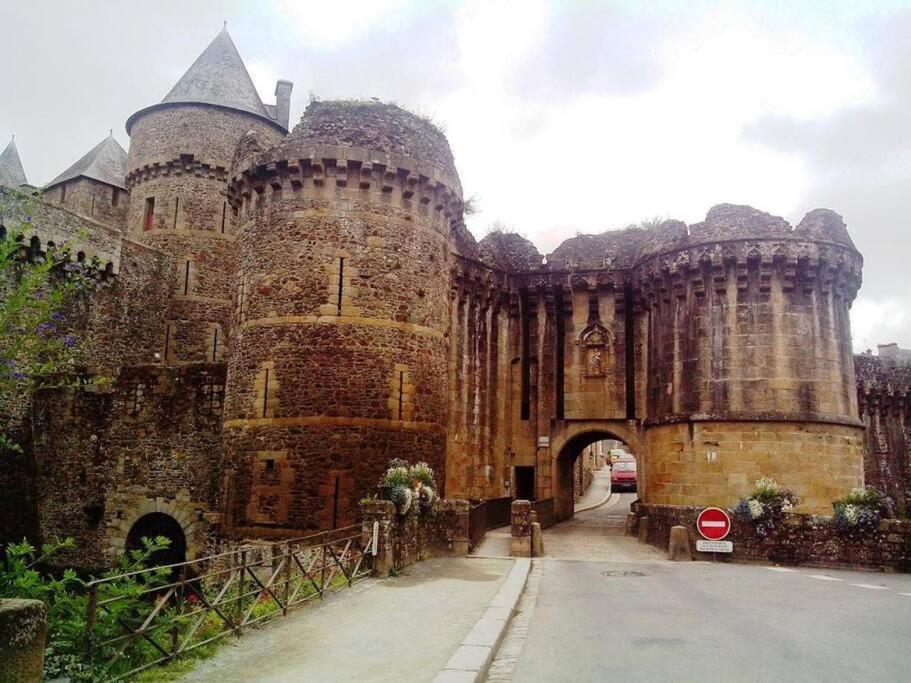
(569,451)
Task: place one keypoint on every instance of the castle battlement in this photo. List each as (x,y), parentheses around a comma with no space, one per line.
(291,310)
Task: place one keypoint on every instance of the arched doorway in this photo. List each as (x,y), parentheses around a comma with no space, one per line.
(569,453)
(156,524)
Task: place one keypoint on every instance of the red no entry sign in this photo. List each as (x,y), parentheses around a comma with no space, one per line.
(713,523)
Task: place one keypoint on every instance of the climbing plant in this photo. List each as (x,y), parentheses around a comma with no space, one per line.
(39,296)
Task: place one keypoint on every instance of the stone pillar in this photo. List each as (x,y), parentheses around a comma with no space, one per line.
(678,547)
(383,513)
(451,533)
(521,519)
(643,529)
(630,523)
(23,629)
(537,540)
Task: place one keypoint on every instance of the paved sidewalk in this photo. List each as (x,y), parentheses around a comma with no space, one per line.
(399,629)
(496,541)
(598,492)
(598,534)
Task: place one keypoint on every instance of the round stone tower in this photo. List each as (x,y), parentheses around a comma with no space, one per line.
(749,369)
(177,168)
(339,359)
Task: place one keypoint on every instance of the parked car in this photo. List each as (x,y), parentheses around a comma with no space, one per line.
(623,474)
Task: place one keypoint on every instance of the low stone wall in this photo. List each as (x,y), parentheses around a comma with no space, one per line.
(404,540)
(809,540)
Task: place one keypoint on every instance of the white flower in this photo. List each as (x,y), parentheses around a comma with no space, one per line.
(767,486)
(786,505)
(755,507)
(852,513)
(409,497)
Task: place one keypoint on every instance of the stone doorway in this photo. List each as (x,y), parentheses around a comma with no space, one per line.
(153,525)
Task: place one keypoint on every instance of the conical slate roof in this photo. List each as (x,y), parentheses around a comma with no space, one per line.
(217,77)
(105,162)
(11,172)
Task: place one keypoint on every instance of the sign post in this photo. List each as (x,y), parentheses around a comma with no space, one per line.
(714,524)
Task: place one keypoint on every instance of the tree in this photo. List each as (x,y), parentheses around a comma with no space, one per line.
(40,339)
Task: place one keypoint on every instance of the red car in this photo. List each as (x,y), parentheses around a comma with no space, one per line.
(623,474)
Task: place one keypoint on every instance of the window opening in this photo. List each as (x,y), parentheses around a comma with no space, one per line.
(149,220)
(341,281)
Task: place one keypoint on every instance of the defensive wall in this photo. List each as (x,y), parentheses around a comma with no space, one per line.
(284,313)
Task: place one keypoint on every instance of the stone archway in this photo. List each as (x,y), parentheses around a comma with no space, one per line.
(569,450)
(155,525)
(193,519)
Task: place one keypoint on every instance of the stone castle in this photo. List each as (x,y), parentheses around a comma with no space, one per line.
(289,311)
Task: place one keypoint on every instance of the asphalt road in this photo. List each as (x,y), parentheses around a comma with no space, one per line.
(647,619)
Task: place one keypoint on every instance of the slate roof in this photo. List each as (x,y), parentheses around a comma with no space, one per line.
(218,77)
(11,172)
(105,162)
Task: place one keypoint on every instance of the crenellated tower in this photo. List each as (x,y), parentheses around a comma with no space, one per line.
(749,364)
(180,152)
(340,355)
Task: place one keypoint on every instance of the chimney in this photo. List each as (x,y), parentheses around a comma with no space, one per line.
(283,102)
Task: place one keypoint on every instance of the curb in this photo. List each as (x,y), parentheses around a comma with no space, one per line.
(610,493)
(470,662)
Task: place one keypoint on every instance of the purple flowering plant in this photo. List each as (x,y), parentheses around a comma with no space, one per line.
(37,294)
(862,510)
(764,509)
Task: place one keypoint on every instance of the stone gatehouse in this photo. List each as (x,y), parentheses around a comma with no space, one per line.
(289,310)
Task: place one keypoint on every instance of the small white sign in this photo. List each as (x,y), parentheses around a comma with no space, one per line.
(714,546)
(543,441)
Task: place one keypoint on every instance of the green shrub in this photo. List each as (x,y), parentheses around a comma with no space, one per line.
(66,597)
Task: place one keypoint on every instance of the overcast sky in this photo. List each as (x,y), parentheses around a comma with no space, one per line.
(563,116)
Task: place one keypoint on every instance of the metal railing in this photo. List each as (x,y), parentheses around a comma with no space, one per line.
(178,608)
(546,512)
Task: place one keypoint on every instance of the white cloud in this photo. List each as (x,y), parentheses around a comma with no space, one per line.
(879,321)
(327,24)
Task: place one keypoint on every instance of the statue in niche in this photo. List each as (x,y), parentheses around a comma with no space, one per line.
(595,342)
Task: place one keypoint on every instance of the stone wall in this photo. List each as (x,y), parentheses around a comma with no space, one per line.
(801,540)
(98,201)
(884,392)
(404,540)
(150,442)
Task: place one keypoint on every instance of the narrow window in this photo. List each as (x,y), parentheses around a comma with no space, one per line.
(92,210)
(186,277)
(265,392)
(224,212)
(63,193)
(115,197)
(341,281)
(176,209)
(401,393)
(149,220)
(215,343)
(335,498)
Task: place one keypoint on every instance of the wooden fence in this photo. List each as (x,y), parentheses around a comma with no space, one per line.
(188,605)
